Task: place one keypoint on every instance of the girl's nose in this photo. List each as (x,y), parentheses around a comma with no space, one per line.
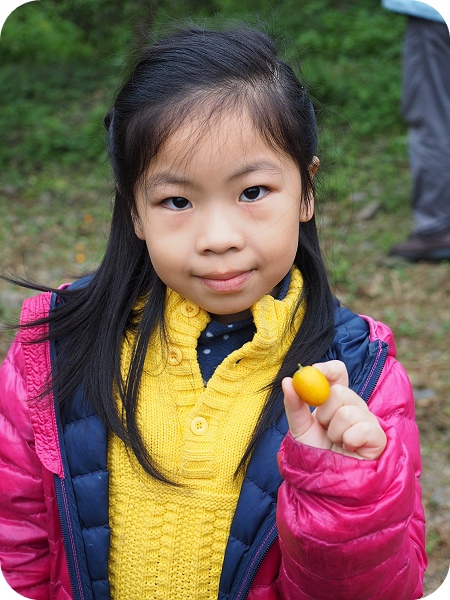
(219,232)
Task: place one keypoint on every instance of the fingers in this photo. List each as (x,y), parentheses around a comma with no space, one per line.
(344,418)
(298,414)
(302,424)
(351,426)
(340,396)
(343,423)
(335,371)
(366,439)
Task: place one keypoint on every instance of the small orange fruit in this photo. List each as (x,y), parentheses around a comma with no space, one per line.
(311,385)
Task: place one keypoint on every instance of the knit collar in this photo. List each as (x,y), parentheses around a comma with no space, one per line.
(274,319)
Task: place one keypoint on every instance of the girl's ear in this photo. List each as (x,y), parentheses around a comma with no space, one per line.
(307,211)
(138,230)
(137,224)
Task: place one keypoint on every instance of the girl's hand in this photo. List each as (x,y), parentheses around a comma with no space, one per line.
(343,424)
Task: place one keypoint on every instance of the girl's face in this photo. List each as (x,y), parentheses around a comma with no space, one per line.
(219,211)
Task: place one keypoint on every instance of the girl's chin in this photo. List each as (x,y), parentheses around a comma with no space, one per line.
(231,318)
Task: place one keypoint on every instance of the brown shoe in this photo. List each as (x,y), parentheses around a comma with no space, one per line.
(424,247)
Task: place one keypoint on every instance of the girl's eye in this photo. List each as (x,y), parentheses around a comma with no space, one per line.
(177,203)
(252,194)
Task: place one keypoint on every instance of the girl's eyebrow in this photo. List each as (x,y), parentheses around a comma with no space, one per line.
(266,166)
(165,178)
(169,178)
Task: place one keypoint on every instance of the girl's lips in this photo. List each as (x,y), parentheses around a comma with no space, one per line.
(226,282)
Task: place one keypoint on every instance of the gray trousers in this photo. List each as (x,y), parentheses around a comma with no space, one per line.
(426,109)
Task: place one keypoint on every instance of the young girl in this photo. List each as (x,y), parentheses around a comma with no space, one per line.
(152,443)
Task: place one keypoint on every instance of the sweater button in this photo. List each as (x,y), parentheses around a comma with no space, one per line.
(199,426)
(175,356)
(190,310)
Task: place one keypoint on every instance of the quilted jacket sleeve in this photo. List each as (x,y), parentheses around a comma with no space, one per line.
(24,546)
(351,528)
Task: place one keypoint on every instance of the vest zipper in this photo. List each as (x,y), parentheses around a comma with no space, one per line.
(68,539)
(369,385)
(63,499)
(260,554)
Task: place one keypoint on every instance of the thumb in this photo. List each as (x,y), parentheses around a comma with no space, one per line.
(298,413)
(335,371)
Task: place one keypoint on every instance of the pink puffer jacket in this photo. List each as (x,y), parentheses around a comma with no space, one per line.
(318,554)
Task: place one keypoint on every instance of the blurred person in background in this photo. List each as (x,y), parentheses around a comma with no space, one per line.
(426,109)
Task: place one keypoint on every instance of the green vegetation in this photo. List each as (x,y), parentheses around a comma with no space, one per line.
(61,60)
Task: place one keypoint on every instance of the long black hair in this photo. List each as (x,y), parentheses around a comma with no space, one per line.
(199,71)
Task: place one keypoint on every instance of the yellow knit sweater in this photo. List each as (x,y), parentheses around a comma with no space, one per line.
(168,542)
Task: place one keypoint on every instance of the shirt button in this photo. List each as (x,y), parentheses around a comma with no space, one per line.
(199,426)
(190,310)
(175,356)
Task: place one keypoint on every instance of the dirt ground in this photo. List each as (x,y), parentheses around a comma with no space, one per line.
(428,368)
(413,299)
